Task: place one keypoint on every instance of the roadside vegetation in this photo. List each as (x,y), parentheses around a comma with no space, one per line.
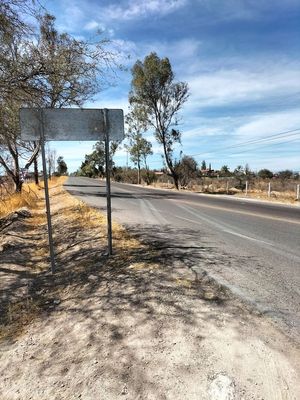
(264,184)
(42,67)
(101,325)
(27,198)
(22,222)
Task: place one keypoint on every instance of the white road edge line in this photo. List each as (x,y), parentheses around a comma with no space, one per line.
(219,226)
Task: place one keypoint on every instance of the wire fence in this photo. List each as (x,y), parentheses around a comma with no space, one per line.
(287,189)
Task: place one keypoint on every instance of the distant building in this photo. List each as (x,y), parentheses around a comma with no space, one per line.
(158,173)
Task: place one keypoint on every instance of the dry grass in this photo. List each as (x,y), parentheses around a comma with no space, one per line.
(140,266)
(84,216)
(187,283)
(288,197)
(29,197)
(258,190)
(17,316)
(80,238)
(74,223)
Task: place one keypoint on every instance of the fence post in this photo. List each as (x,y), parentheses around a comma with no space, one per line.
(269,190)
(227,187)
(246,188)
(298,192)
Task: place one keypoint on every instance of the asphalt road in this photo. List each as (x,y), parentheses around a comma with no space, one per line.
(252,247)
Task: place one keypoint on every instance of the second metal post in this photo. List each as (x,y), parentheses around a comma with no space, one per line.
(47,199)
(108,192)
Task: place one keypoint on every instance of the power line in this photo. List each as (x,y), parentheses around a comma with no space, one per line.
(265,144)
(259,140)
(268,138)
(288,134)
(207,154)
(263,141)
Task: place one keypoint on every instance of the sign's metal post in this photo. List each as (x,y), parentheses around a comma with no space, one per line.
(51,248)
(108,192)
(73,124)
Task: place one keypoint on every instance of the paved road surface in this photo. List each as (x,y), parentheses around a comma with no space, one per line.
(252,247)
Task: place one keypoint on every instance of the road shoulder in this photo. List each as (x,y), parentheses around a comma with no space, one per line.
(138,325)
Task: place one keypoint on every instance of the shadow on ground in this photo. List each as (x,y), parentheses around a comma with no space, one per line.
(118,325)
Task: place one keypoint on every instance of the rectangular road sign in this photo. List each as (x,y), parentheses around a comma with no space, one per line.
(71,124)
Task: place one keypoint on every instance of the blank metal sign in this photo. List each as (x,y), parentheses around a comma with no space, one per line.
(71,123)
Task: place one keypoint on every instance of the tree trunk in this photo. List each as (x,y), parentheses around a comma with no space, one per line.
(170,166)
(36,171)
(18,185)
(176,180)
(139,173)
(17,173)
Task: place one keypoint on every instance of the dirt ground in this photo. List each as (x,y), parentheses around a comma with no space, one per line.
(138,325)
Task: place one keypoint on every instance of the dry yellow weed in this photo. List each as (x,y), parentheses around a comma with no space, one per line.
(187,283)
(30,196)
(18,315)
(138,266)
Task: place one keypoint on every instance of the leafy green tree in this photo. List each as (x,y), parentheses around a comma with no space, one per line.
(62,168)
(265,174)
(286,174)
(239,174)
(94,163)
(187,169)
(224,171)
(139,148)
(203,165)
(148,176)
(97,158)
(156,99)
(239,170)
(247,170)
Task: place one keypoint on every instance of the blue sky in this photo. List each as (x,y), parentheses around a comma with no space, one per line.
(241,59)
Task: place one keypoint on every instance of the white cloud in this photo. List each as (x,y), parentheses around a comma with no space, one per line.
(94,25)
(225,87)
(98,26)
(201,127)
(134,9)
(233,130)
(269,124)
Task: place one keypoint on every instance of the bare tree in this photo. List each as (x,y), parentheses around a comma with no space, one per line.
(48,70)
(51,159)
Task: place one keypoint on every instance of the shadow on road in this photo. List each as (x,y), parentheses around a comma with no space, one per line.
(128,316)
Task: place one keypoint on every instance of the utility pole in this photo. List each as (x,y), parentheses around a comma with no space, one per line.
(269,190)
